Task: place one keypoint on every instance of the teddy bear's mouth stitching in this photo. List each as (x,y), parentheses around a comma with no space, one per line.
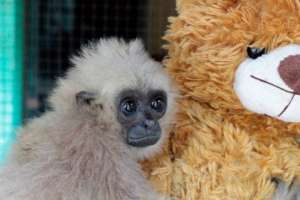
(280,88)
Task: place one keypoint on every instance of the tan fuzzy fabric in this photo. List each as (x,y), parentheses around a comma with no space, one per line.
(218,149)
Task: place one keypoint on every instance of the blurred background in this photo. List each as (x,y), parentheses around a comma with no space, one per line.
(37,37)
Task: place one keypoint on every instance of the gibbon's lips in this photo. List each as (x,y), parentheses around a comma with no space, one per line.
(270,84)
(141,136)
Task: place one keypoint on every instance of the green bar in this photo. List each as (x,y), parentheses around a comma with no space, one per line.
(11,71)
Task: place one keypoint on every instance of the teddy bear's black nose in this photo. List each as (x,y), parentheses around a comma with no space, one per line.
(289,71)
(254,52)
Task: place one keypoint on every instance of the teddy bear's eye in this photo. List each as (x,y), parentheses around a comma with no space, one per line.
(254,52)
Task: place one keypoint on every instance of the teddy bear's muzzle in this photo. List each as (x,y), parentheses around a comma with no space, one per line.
(270,83)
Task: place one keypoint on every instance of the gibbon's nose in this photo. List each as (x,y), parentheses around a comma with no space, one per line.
(149,124)
(289,71)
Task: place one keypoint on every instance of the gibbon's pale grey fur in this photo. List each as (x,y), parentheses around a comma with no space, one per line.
(287,192)
(87,146)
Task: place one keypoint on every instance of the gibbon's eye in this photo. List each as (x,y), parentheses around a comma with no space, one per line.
(158,104)
(128,106)
(254,52)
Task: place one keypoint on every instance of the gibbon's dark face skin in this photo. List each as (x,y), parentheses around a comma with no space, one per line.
(138,113)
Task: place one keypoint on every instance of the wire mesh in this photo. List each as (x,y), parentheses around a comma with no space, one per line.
(56,29)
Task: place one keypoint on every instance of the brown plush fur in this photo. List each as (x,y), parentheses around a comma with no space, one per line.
(219,149)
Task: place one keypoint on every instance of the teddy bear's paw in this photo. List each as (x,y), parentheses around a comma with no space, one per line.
(287,192)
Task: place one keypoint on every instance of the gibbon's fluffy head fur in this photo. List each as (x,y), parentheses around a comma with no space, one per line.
(106,68)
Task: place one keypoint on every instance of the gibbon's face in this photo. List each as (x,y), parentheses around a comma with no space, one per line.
(122,86)
(139,112)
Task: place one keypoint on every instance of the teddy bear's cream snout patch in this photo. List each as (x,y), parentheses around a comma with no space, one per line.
(270,84)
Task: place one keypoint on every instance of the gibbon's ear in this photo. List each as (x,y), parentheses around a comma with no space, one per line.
(88,103)
(85,98)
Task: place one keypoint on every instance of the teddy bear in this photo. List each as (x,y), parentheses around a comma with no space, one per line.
(236,64)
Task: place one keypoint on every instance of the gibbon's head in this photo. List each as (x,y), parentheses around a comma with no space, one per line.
(119,79)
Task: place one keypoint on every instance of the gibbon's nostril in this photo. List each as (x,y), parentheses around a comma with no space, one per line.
(149,123)
(289,71)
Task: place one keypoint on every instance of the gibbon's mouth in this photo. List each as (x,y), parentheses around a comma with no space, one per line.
(141,136)
(268,83)
(280,88)
(143,141)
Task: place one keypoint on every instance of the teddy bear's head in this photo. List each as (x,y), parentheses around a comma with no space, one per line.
(241,58)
